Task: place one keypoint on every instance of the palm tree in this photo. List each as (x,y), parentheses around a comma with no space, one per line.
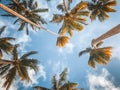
(17,66)
(29,9)
(99,55)
(101,8)
(72,18)
(5,45)
(61,83)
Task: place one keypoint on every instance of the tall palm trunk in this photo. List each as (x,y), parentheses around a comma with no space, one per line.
(64,3)
(25,19)
(108,34)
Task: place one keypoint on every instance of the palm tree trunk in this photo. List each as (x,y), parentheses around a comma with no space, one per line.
(108,34)
(25,19)
(64,3)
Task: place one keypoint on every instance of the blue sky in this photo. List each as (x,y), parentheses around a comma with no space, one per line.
(54,59)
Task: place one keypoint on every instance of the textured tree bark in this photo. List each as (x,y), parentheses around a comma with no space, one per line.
(106,35)
(25,19)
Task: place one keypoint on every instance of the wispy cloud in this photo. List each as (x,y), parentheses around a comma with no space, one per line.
(101,81)
(67,49)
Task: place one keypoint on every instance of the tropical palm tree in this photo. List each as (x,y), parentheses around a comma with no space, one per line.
(99,55)
(17,66)
(29,9)
(5,45)
(101,8)
(72,18)
(61,83)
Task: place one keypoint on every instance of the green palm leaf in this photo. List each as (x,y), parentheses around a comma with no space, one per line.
(28,54)
(31,63)
(4,69)
(10,76)
(2,29)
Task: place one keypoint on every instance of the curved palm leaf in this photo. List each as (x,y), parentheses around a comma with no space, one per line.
(5,44)
(85,51)
(2,29)
(28,54)
(40,88)
(10,76)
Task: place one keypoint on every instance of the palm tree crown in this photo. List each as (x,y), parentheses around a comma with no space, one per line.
(5,44)
(60,83)
(17,65)
(72,19)
(29,9)
(99,55)
(101,8)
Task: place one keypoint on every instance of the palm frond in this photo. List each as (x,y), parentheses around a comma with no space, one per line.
(85,51)
(91,62)
(23,73)
(1,54)
(2,29)
(57,18)
(21,26)
(6,39)
(99,44)
(31,63)
(54,83)
(83,13)
(14,52)
(30,2)
(78,7)
(6,47)
(10,76)
(76,25)
(111,3)
(28,54)
(8,15)
(40,10)
(69,86)
(62,41)
(63,76)
(40,88)
(60,7)
(4,69)
(108,9)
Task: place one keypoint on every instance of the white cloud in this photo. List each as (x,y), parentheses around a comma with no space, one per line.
(101,81)
(67,49)
(23,40)
(35,76)
(57,66)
